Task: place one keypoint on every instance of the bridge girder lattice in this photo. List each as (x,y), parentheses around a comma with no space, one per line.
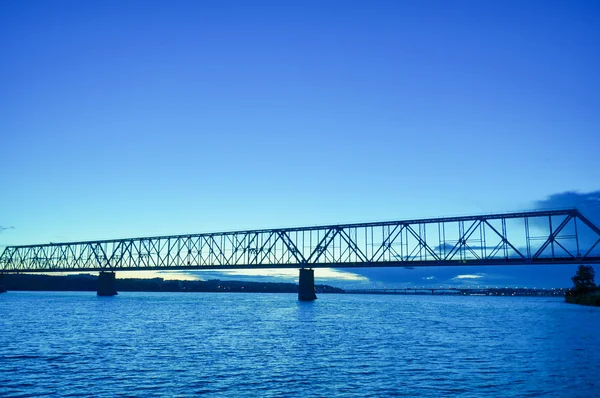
(537,237)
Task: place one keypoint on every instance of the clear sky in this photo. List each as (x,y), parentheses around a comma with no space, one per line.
(140,118)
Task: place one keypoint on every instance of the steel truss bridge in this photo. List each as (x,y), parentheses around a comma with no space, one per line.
(537,237)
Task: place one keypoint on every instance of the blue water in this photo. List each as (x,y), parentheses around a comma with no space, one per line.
(170,344)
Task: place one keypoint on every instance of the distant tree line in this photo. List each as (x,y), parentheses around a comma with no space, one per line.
(86,282)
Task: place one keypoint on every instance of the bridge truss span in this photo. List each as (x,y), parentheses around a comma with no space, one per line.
(537,237)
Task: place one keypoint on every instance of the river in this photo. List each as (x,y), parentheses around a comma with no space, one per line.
(244,344)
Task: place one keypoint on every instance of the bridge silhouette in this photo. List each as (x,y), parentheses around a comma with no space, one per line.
(520,238)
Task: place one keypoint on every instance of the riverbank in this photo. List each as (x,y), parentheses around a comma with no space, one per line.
(585,298)
(87,282)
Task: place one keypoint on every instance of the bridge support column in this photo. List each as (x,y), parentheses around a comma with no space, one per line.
(306,285)
(2,289)
(106,284)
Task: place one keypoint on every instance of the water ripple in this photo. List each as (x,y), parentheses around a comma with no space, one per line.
(144,344)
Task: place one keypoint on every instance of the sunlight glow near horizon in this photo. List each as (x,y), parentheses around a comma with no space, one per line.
(290,275)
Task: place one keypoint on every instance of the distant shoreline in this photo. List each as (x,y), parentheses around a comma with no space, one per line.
(491,292)
(87,282)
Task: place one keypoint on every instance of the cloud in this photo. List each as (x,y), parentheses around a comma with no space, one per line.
(428,278)
(276,275)
(447,247)
(468,276)
(587,203)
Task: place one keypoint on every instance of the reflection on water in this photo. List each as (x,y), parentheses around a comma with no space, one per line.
(271,344)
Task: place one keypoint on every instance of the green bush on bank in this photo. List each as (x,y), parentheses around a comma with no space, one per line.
(590,297)
(584,289)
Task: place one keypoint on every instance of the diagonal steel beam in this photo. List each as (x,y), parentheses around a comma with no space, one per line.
(353,245)
(552,237)
(591,249)
(269,251)
(322,245)
(422,243)
(292,247)
(586,221)
(562,247)
(389,239)
(504,239)
(462,239)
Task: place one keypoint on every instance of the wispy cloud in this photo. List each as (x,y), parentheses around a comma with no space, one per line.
(468,276)
(447,247)
(285,274)
(323,273)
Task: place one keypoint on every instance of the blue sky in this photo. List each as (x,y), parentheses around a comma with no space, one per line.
(127,118)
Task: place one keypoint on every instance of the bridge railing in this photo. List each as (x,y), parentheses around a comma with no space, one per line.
(538,237)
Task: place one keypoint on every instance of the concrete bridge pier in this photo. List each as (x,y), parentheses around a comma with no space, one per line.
(106,284)
(2,289)
(306,285)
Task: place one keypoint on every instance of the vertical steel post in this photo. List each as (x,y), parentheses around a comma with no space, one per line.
(528,237)
(551,236)
(576,237)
